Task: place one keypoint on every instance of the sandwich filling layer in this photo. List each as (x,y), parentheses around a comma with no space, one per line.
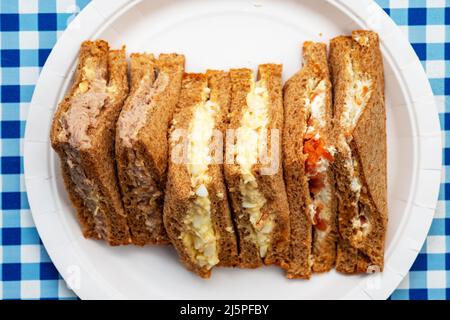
(199,237)
(249,146)
(143,193)
(131,121)
(359,92)
(87,190)
(87,102)
(319,155)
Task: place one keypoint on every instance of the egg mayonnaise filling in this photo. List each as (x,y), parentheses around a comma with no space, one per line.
(250,141)
(199,237)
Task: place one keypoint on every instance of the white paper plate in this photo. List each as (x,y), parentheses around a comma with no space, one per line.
(224,34)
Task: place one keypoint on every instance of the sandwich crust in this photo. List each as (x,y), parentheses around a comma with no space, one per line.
(86,146)
(142,146)
(311,249)
(362,211)
(183,193)
(268,187)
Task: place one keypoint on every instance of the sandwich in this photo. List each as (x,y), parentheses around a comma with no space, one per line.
(83,132)
(196,212)
(142,143)
(360,165)
(308,150)
(253,169)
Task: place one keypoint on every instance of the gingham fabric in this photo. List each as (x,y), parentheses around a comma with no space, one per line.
(29,30)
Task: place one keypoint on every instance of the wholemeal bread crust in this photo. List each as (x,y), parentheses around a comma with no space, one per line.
(97,161)
(248,251)
(324,249)
(271,186)
(370,157)
(179,194)
(150,146)
(298,263)
(304,249)
(220,86)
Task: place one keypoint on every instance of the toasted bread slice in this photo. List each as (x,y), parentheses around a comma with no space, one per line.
(196,212)
(141,143)
(82,134)
(253,166)
(308,153)
(360,115)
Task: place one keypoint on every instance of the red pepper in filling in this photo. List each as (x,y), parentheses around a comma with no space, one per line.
(315,151)
(316,183)
(320,224)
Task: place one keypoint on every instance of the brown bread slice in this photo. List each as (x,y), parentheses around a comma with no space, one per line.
(142,146)
(265,189)
(369,211)
(313,240)
(185,192)
(82,134)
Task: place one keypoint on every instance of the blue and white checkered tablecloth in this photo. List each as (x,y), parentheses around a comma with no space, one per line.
(28,32)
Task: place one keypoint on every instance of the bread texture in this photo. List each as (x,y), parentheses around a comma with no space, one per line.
(142,143)
(197,216)
(360,166)
(256,186)
(307,139)
(83,132)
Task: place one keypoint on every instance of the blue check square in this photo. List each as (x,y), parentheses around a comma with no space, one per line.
(11,271)
(10,93)
(43,55)
(11,165)
(48,271)
(420,264)
(417,16)
(9,22)
(10,129)
(11,200)
(47,21)
(11,236)
(10,58)
(418,294)
(421,50)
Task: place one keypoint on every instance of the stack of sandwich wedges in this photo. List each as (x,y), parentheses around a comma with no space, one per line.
(232,170)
